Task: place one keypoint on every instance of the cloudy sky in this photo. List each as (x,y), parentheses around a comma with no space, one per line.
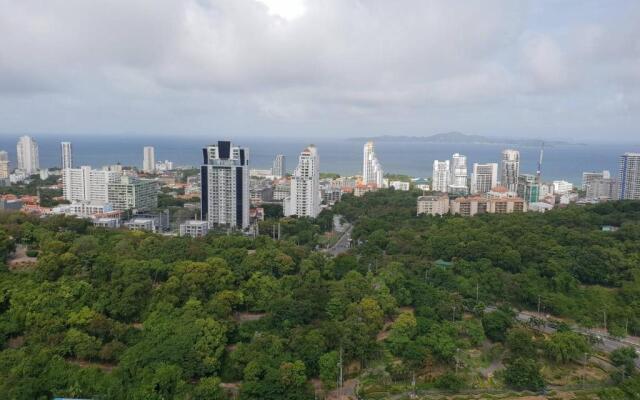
(544,68)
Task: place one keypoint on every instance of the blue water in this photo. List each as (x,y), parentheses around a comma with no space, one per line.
(336,155)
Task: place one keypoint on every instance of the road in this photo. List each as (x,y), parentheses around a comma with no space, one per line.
(343,244)
(606,343)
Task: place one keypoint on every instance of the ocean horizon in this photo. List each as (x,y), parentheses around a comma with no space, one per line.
(339,155)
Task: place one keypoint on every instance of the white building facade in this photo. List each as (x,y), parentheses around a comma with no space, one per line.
(304,198)
(441,176)
(224,180)
(149,160)
(372,172)
(66,155)
(279,168)
(458,181)
(28,157)
(86,184)
(484,177)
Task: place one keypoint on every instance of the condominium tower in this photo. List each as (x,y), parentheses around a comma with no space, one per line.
(28,158)
(371,169)
(149,160)
(86,184)
(484,177)
(510,169)
(4,165)
(629,177)
(224,185)
(66,155)
(458,181)
(279,168)
(441,176)
(304,199)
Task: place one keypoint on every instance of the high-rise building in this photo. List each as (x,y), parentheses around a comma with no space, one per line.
(458,180)
(441,176)
(149,160)
(28,158)
(66,153)
(279,166)
(4,165)
(224,180)
(601,189)
(304,199)
(528,188)
(4,169)
(371,169)
(86,184)
(629,177)
(510,169)
(588,177)
(484,177)
(128,192)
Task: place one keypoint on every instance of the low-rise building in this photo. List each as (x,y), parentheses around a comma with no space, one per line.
(194,228)
(433,205)
(82,208)
(10,204)
(470,206)
(141,224)
(106,222)
(400,185)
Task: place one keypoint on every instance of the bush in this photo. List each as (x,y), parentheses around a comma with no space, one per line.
(449,381)
(32,253)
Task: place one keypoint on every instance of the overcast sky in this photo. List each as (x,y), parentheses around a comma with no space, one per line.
(561,69)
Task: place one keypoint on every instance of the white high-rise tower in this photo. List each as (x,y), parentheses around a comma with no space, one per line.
(441,176)
(629,177)
(149,160)
(510,169)
(458,182)
(304,200)
(371,169)
(66,153)
(28,158)
(279,168)
(224,185)
(484,177)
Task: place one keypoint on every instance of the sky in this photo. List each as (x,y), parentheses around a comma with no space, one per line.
(321,68)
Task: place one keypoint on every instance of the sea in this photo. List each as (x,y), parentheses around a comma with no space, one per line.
(339,155)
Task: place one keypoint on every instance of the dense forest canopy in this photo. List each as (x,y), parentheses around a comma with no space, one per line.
(130,315)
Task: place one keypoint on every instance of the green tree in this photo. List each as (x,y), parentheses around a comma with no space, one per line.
(523,373)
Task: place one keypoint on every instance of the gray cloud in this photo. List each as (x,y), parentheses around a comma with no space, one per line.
(360,66)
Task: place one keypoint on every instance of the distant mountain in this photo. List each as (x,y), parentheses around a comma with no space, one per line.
(457,137)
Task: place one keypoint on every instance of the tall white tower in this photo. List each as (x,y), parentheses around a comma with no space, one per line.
(28,158)
(629,177)
(304,200)
(224,180)
(66,153)
(458,182)
(279,168)
(371,169)
(441,176)
(149,160)
(510,169)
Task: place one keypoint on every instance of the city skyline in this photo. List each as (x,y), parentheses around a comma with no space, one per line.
(264,68)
